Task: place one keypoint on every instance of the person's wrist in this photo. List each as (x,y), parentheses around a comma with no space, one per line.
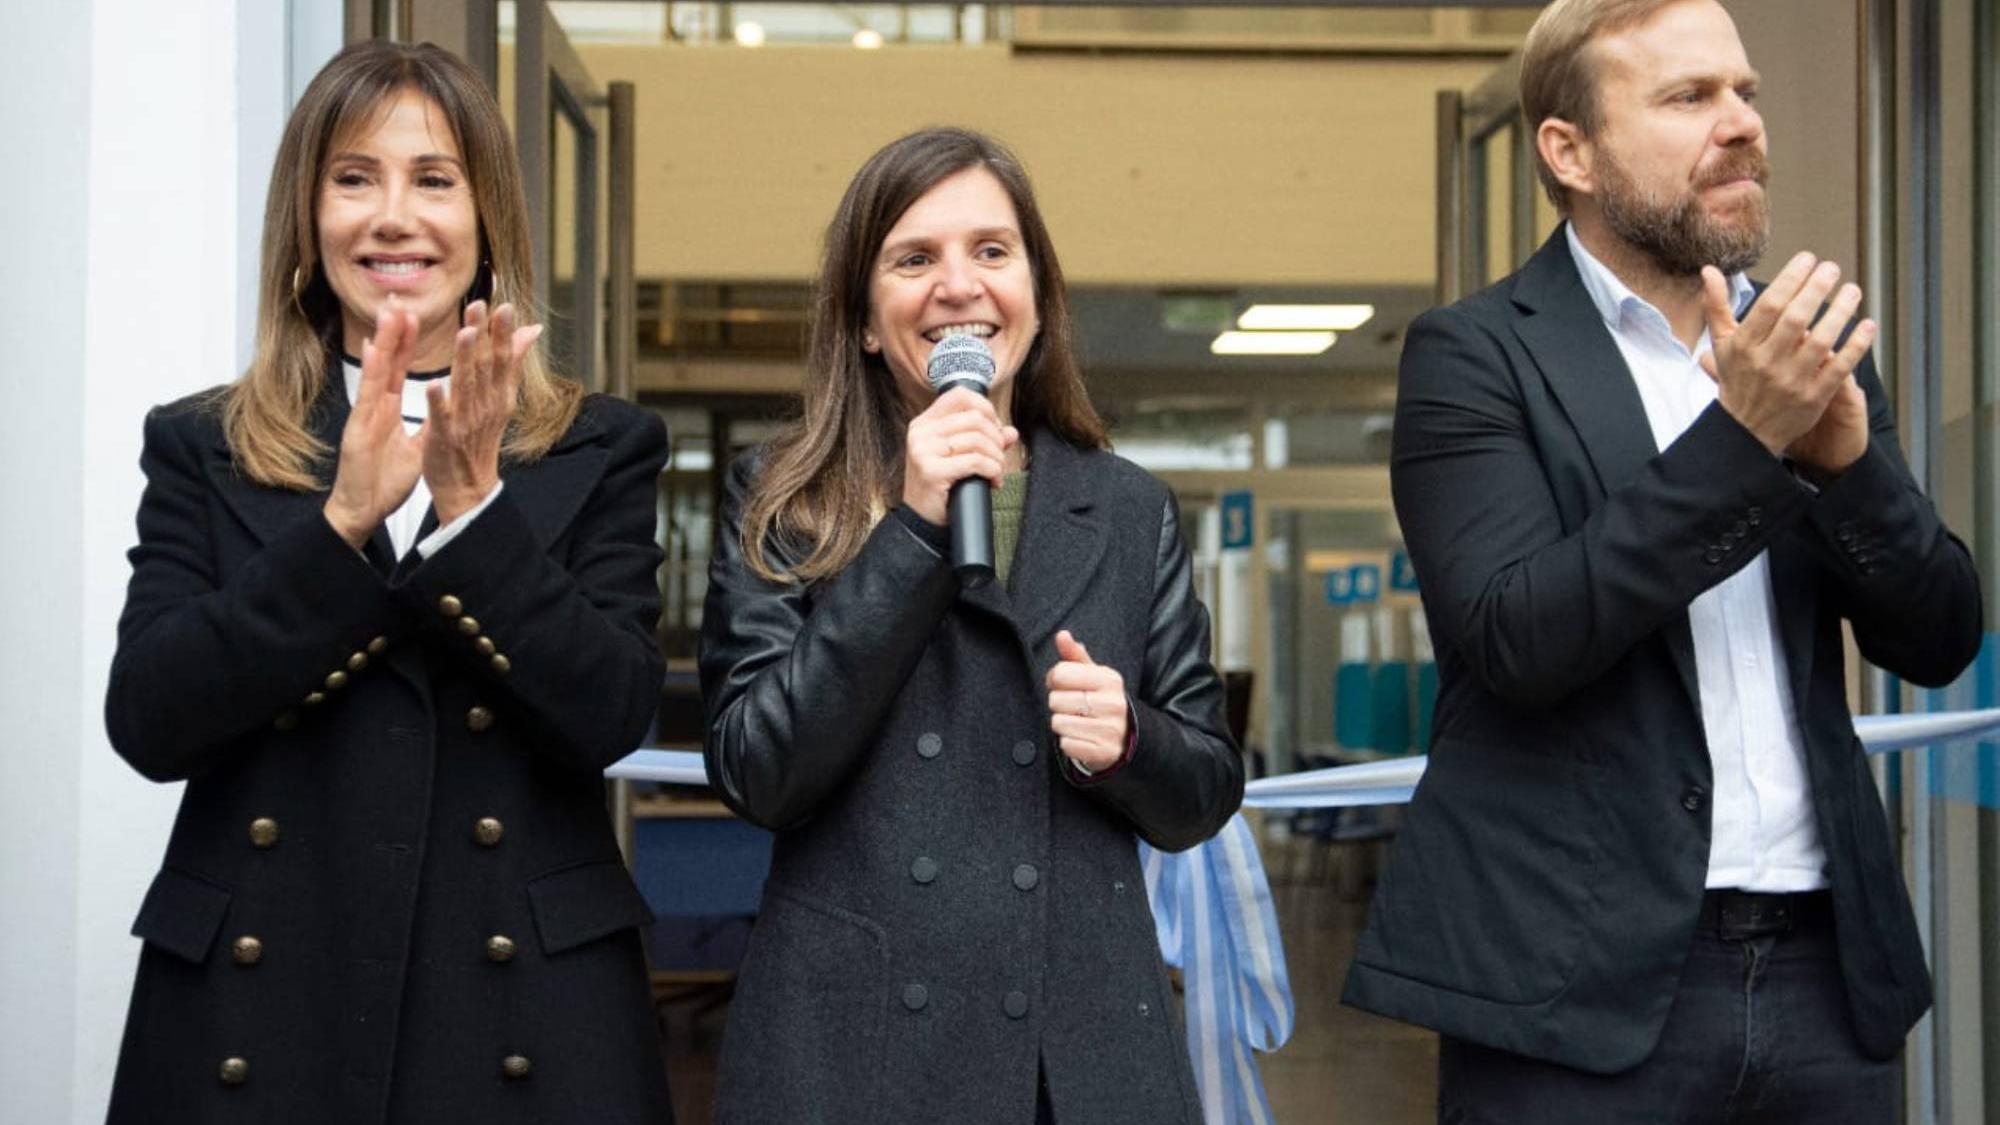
(353,530)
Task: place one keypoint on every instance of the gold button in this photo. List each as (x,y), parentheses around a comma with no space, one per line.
(501,664)
(469,625)
(514,1066)
(378,646)
(336,680)
(485,646)
(500,947)
(247,950)
(357,662)
(488,831)
(286,720)
(315,698)
(234,1071)
(478,719)
(450,606)
(263,832)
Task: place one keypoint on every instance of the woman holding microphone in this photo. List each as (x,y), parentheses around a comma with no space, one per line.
(955,927)
(391,614)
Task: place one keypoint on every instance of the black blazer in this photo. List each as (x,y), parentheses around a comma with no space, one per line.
(392,868)
(950,906)
(1544,889)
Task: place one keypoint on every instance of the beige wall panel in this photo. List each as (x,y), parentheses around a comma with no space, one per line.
(1153,170)
(1808,54)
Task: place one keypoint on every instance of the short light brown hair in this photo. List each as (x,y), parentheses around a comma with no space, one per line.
(1559,73)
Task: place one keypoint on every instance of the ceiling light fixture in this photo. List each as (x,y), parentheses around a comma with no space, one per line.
(1271,343)
(749,34)
(868,39)
(1303,318)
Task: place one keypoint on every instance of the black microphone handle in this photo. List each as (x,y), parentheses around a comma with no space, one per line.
(971,514)
(972,531)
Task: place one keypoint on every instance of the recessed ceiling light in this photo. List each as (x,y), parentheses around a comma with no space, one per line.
(750,34)
(868,39)
(1271,343)
(1300,318)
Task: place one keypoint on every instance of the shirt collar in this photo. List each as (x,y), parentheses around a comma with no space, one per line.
(1613,297)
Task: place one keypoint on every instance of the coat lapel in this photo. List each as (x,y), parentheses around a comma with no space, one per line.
(1565,335)
(1063,539)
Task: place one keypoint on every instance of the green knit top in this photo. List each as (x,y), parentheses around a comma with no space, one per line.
(1008,503)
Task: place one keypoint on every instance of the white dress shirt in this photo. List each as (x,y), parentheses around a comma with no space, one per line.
(1764,837)
(405,521)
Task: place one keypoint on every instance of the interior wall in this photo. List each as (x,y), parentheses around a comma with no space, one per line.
(1151,169)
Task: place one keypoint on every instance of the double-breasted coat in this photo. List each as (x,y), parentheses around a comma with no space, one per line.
(951,908)
(392,893)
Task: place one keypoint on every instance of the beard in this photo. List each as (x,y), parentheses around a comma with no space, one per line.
(1677,232)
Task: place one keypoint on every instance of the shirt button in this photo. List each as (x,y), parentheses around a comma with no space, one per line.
(1691,799)
(1145,1009)
(488,830)
(929,746)
(500,948)
(287,719)
(515,1066)
(1015,1004)
(1713,556)
(1754,517)
(450,606)
(468,625)
(1024,753)
(357,662)
(915,996)
(335,680)
(378,646)
(924,869)
(478,719)
(1025,876)
(234,1071)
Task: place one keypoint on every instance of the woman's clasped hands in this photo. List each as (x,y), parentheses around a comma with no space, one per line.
(456,451)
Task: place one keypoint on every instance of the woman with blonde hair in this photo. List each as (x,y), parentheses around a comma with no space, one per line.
(391,614)
(955,927)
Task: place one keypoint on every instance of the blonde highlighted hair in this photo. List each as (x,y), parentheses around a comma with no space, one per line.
(265,412)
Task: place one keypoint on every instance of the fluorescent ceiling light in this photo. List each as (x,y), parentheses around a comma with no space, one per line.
(750,34)
(1271,343)
(868,39)
(1300,318)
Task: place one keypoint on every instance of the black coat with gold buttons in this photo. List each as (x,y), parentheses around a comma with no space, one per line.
(392,893)
(952,910)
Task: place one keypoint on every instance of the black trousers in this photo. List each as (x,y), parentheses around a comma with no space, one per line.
(1759,1034)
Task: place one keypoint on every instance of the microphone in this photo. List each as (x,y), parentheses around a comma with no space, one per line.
(965,361)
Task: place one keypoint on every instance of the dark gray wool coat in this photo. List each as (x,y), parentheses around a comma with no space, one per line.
(952,909)
(393,893)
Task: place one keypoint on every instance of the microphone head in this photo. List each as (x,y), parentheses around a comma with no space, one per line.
(961,358)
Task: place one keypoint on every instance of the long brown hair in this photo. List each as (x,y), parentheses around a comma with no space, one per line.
(827,478)
(264,413)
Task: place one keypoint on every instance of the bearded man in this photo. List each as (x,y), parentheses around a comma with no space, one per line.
(1647,876)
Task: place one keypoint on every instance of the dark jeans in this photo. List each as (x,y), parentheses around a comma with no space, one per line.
(1758,1035)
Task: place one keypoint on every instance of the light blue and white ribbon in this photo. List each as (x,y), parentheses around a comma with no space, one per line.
(1212,910)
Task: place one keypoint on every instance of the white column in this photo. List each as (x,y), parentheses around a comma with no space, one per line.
(122,218)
